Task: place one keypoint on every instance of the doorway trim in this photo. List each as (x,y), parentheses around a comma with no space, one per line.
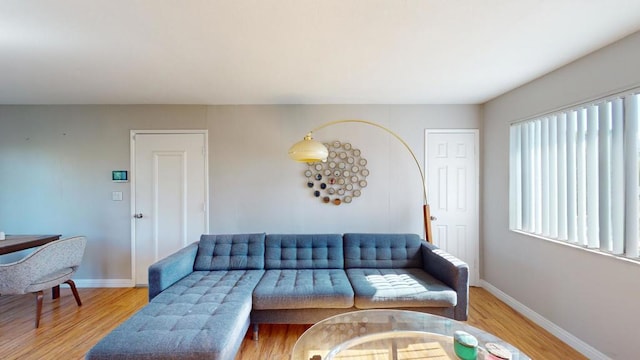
(132,186)
(474,276)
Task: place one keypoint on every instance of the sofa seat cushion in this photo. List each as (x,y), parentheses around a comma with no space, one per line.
(204,315)
(391,288)
(303,289)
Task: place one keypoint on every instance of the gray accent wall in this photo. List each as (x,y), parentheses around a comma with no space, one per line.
(592,296)
(56,162)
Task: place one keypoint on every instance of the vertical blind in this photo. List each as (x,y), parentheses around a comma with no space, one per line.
(574,175)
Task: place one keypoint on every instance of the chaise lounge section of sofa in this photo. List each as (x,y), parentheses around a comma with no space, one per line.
(203,298)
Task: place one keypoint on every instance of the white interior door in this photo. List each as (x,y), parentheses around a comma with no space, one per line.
(453,185)
(169,195)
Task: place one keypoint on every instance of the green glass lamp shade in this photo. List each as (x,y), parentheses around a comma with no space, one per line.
(308,150)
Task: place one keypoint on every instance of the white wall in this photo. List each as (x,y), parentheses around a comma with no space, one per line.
(592,296)
(56,164)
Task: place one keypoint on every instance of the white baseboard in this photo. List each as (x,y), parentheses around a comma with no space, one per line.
(582,347)
(103,283)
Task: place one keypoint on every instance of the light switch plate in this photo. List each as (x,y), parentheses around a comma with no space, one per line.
(116,196)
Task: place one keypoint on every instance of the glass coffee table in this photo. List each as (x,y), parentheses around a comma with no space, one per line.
(391,335)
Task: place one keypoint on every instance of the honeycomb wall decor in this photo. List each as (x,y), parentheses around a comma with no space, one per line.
(341,178)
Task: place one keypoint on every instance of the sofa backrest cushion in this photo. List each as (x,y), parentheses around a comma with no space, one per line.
(230,252)
(382,251)
(304,251)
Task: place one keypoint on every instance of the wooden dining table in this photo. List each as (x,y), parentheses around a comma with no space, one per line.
(13,243)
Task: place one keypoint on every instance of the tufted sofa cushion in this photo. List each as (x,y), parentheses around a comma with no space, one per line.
(230,252)
(185,320)
(303,289)
(322,251)
(393,288)
(303,272)
(384,251)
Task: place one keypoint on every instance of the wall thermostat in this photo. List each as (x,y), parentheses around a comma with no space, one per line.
(119,176)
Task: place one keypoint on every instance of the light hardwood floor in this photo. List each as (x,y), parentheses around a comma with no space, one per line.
(67,331)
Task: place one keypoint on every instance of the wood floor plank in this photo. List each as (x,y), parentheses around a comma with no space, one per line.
(67,331)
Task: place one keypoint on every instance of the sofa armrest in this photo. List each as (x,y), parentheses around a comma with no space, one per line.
(451,271)
(168,271)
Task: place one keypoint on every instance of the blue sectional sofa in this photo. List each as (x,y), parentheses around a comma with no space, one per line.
(203,298)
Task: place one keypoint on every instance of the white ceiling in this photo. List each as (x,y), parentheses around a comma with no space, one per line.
(293,51)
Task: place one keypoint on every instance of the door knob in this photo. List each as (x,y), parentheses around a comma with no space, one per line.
(433,218)
(137,216)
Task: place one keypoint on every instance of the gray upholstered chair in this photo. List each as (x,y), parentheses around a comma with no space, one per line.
(47,267)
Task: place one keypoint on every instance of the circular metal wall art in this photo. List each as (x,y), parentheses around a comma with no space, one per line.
(341,178)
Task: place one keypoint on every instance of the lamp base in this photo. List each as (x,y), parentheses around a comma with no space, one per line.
(427,223)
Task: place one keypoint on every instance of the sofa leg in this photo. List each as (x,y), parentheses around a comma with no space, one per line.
(255,331)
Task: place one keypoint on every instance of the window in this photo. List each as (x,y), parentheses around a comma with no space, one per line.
(574,175)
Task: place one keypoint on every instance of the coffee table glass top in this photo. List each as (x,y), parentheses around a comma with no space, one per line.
(390,334)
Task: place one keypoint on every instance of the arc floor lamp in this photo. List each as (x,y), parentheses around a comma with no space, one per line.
(309,150)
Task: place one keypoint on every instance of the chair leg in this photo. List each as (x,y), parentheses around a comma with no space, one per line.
(39,297)
(75,291)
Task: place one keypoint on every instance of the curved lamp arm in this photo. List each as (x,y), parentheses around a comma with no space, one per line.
(309,150)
